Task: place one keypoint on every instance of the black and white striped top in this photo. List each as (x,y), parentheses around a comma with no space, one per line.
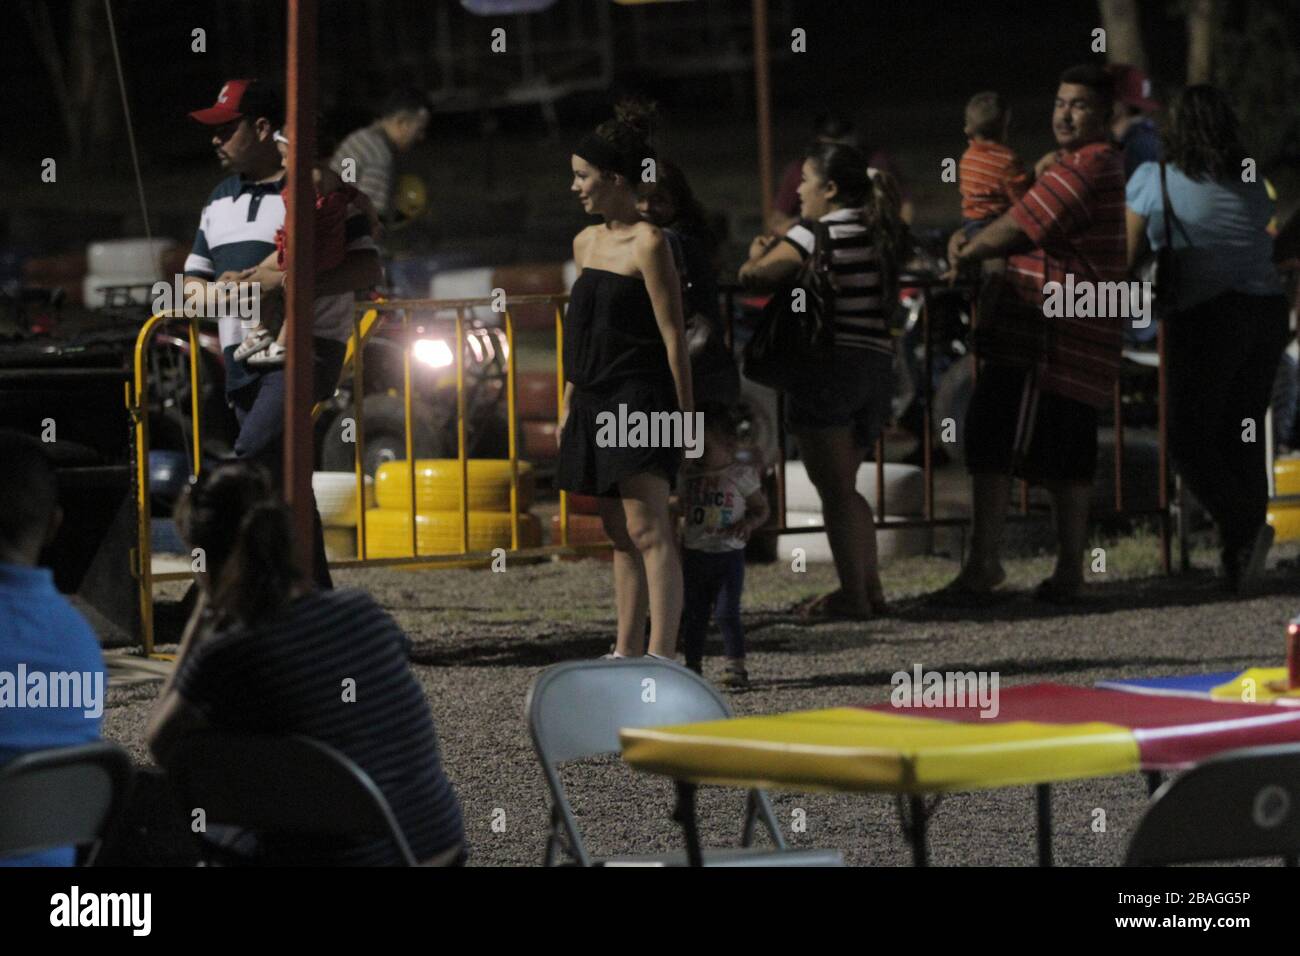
(287,676)
(861,314)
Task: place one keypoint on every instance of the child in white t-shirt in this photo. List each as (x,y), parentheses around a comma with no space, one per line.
(722,502)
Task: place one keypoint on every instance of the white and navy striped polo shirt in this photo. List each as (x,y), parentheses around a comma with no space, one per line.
(861,314)
(236,231)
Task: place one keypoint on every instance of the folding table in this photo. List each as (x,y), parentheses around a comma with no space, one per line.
(1042,734)
(1265,685)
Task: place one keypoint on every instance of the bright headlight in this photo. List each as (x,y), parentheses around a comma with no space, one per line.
(433,352)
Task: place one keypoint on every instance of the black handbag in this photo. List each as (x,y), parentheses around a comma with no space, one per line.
(1164,283)
(795,335)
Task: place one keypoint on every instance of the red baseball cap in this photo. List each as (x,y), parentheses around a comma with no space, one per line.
(1133,88)
(240,98)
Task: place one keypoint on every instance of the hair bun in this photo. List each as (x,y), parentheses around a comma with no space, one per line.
(638,115)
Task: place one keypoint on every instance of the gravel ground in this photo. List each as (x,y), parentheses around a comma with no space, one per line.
(481,638)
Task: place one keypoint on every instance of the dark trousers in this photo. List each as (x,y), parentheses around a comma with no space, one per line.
(259,408)
(713,584)
(1222,357)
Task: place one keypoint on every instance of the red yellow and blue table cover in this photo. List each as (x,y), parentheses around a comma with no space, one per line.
(1043,733)
(1255,685)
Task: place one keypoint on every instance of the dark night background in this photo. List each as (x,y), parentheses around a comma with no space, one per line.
(497,174)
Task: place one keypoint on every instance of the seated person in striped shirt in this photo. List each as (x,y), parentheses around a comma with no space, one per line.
(263,653)
(1045,371)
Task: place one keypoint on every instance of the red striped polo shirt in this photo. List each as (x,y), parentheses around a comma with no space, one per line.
(1074,215)
(990,178)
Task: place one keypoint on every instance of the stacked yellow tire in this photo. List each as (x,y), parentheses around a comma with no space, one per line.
(1284,516)
(437,503)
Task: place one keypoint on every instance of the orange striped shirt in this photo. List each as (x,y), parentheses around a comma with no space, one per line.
(990,179)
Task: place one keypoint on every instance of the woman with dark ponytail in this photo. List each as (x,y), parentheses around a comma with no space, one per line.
(625,353)
(837,412)
(264,653)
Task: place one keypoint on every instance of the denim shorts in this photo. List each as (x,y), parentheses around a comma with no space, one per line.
(855,389)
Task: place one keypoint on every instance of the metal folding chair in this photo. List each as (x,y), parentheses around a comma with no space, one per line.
(575,711)
(282,785)
(1239,805)
(64,796)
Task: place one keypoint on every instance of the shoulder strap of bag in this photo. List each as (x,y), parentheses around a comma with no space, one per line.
(1170,219)
(822,258)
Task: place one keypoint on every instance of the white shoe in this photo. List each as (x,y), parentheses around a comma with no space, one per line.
(273,354)
(255,342)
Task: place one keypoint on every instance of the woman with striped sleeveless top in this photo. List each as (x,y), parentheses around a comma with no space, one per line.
(837,414)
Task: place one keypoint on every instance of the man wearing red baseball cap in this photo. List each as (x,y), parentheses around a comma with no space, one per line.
(238,224)
(1131,126)
(237,232)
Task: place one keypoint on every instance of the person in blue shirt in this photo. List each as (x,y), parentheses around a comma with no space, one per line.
(1133,129)
(1227,323)
(40,633)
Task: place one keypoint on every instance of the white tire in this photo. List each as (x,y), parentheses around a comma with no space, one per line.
(904,488)
(891,543)
(336,497)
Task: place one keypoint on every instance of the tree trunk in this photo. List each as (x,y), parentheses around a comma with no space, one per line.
(82,77)
(1202,15)
(42,30)
(1123,29)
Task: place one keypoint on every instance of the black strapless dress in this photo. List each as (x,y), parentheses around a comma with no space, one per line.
(614,355)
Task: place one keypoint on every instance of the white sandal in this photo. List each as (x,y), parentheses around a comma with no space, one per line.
(255,342)
(273,354)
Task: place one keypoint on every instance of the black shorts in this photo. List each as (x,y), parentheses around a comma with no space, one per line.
(855,390)
(1062,433)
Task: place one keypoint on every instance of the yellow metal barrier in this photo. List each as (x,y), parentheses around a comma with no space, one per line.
(366,321)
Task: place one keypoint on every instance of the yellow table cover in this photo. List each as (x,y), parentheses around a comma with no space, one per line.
(848,748)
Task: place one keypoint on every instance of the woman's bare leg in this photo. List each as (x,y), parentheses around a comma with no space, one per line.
(832,457)
(631,596)
(650,527)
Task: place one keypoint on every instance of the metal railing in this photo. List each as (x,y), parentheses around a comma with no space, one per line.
(367,318)
(928,519)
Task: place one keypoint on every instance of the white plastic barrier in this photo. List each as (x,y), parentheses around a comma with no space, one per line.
(461,283)
(904,488)
(891,543)
(127,257)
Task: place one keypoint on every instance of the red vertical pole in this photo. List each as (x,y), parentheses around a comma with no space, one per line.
(763,100)
(300,99)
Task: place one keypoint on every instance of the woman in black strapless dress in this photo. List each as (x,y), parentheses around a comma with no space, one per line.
(624,357)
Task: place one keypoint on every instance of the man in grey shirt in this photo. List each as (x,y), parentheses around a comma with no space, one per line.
(366,157)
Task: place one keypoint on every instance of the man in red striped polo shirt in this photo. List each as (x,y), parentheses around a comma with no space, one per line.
(1051,349)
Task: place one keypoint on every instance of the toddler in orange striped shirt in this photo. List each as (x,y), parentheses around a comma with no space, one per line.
(990,176)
